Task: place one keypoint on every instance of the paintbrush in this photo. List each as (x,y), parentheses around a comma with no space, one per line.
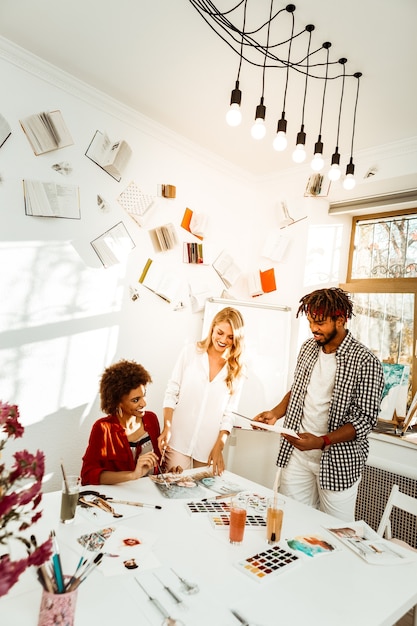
(167,485)
(128,502)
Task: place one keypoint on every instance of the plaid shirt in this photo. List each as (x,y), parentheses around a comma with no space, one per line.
(356,399)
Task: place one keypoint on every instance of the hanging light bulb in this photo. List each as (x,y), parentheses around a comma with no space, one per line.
(280,142)
(317,163)
(349,181)
(258,130)
(335,172)
(234,114)
(299,154)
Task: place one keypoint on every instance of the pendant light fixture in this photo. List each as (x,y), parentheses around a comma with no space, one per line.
(335,171)
(299,154)
(234,114)
(257,39)
(258,130)
(317,163)
(280,142)
(349,181)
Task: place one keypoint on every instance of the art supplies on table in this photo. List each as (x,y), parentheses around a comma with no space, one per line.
(124,548)
(178,486)
(222,520)
(267,564)
(367,544)
(218,484)
(311,545)
(207,506)
(256,503)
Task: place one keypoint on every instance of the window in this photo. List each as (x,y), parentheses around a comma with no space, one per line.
(382,278)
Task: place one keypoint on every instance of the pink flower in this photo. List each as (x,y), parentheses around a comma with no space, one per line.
(9,420)
(10,572)
(20,496)
(41,554)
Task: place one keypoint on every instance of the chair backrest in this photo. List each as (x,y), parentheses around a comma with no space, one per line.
(401,501)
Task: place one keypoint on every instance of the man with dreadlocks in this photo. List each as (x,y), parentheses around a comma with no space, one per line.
(333,405)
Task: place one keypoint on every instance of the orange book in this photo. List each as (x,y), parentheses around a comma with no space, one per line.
(268,280)
(186,221)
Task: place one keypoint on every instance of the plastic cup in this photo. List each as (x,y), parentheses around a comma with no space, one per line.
(237,520)
(69,498)
(274,517)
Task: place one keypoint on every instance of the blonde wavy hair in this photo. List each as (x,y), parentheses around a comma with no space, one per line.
(233,356)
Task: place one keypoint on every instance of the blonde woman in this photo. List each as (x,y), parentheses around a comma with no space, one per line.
(202,394)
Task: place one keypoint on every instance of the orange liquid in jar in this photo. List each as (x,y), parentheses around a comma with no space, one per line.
(274,524)
(237,525)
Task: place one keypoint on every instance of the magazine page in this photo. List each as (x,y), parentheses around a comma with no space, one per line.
(366,543)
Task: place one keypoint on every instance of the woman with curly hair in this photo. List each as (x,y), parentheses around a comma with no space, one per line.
(123,445)
(202,394)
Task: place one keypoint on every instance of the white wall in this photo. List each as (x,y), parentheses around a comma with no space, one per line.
(63,317)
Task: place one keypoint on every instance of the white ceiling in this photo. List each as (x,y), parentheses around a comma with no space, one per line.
(160,58)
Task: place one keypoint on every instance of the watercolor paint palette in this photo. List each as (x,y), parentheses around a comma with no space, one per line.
(268,564)
(222,520)
(214,506)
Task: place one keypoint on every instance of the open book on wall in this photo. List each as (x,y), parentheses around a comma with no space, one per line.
(46,131)
(275,246)
(111,156)
(51,200)
(114,245)
(261,282)
(161,282)
(227,269)
(163,237)
(5,130)
(195,223)
(135,203)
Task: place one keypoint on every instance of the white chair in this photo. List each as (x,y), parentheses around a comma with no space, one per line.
(405,503)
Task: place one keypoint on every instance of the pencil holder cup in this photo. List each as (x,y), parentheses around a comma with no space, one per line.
(57,608)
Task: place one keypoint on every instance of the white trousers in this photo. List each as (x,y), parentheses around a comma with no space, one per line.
(300,480)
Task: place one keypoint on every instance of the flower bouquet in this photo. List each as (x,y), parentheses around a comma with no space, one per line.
(20,496)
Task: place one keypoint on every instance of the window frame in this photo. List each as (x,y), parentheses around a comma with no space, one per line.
(383,285)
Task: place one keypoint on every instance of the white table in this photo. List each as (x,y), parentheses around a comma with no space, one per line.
(337,588)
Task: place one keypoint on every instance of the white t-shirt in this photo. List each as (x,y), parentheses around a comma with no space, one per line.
(317,401)
(201,408)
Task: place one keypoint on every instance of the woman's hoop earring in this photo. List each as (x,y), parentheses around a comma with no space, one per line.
(120,411)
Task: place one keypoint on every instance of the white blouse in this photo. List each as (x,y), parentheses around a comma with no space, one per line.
(201,408)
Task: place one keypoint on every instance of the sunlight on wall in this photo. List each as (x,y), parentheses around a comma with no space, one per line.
(58,327)
(44,282)
(323,255)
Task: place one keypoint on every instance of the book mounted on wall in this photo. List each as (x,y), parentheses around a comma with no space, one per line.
(317,186)
(112,157)
(46,131)
(163,237)
(135,203)
(163,283)
(192,252)
(5,130)
(51,200)
(227,269)
(195,223)
(167,191)
(114,245)
(261,282)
